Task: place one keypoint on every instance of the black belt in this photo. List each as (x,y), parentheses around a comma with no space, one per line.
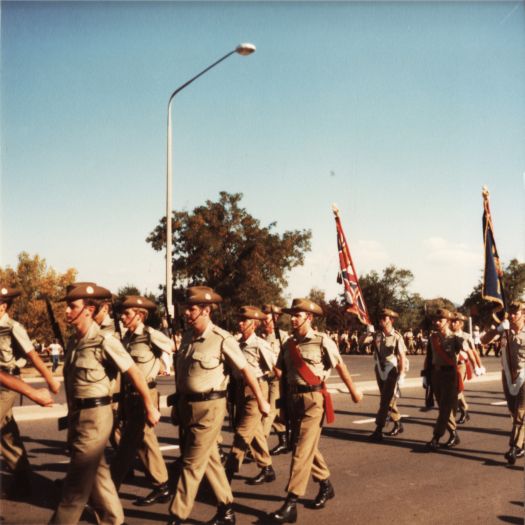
(444,367)
(152,384)
(133,392)
(14,371)
(91,402)
(204,396)
(304,389)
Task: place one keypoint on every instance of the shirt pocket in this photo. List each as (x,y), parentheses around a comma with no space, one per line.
(312,357)
(203,361)
(89,370)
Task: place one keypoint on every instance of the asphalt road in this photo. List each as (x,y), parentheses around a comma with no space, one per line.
(395,481)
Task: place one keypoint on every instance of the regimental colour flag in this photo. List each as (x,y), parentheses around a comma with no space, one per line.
(348,275)
(492,284)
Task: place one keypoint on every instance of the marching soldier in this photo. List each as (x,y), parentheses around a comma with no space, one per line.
(468,361)
(274,420)
(441,361)
(249,433)
(145,345)
(14,344)
(202,380)
(513,374)
(305,362)
(389,356)
(90,363)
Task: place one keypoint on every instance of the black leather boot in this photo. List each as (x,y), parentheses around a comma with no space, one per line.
(224,516)
(377,435)
(288,512)
(326,492)
(281,447)
(464,417)
(160,494)
(266,475)
(175,521)
(433,445)
(453,440)
(510,455)
(398,429)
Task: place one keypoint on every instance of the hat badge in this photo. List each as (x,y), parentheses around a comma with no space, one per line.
(139,301)
(90,290)
(4,291)
(311,306)
(207,296)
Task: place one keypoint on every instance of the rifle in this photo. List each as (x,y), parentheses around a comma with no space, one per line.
(116,320)
(54,324)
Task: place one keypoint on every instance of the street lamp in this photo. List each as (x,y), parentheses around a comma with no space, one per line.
(243,50)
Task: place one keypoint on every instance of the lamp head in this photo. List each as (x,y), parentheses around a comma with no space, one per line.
(245,49)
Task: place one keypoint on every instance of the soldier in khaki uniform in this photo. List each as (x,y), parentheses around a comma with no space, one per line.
(468,363)
(274,420)
(513,374)
(441,360)
(389,357)
(90,362)
(310,354)
(250,432)
(201,381)
(15,343)
(145,345)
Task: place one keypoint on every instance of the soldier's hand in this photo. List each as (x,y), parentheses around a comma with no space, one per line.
(357,395)
(153,416)
(54,386)
(264,408)
(42,396)
(504,325)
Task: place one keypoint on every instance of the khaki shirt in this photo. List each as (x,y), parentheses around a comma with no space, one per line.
(145,345)
(200,361)
(108,326)
(12,333)
(389,347)
(274,342)
(319,353)
(450,343)
(259,355)
(517,349)
(91,363)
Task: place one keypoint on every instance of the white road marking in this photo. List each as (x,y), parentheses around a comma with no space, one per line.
(365,421)
(498,403)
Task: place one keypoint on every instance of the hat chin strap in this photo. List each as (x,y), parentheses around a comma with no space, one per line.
(78,315)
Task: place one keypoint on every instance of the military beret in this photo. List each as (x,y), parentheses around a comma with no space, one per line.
(6,293)
(72,286)
(458,316)
(201,295)
(251,312)
(272,309)
(387,312)
(442,313)
(304,305)
(138,301)
(87,291)
(516,306)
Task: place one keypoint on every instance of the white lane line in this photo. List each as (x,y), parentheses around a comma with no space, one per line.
(165,447)
(498,403)
(372,420)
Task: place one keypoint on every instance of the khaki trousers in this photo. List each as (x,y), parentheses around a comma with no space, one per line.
(13,451)
(202,422)
(445,385)
(308,414)
(388,403)
(88,476)
(250,431)
(138,437)
(516,406)
(462,401)
(273,420)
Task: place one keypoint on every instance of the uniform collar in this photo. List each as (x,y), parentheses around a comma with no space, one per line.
(140,329)
(107,321)
(93,331)
(309,335)
(250,341)
(4,319)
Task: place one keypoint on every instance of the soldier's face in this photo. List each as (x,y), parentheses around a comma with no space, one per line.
(129,318)
(441,324)
(300,321)
(516,318)
(246,327)
(77,312)
(268,324)
(385,322)
(197,316)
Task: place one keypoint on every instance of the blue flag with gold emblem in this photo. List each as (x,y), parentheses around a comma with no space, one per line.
(492,289)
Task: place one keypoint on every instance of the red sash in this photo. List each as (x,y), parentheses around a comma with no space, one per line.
(311,379)
(436,344)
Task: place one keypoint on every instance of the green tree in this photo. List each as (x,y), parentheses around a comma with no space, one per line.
(219,244)
(35,279)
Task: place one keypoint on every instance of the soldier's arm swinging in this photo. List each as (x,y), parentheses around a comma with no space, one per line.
(54,384)
(38,395)
(264,406)
(136,377)
(344,374)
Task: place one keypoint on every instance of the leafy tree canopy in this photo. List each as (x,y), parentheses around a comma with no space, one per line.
(221,245)
(35,280)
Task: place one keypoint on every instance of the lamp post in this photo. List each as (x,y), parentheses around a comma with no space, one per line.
(243,50)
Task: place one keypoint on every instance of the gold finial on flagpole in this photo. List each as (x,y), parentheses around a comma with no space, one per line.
(335,209)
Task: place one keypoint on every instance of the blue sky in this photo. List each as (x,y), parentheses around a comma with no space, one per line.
(398,112)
